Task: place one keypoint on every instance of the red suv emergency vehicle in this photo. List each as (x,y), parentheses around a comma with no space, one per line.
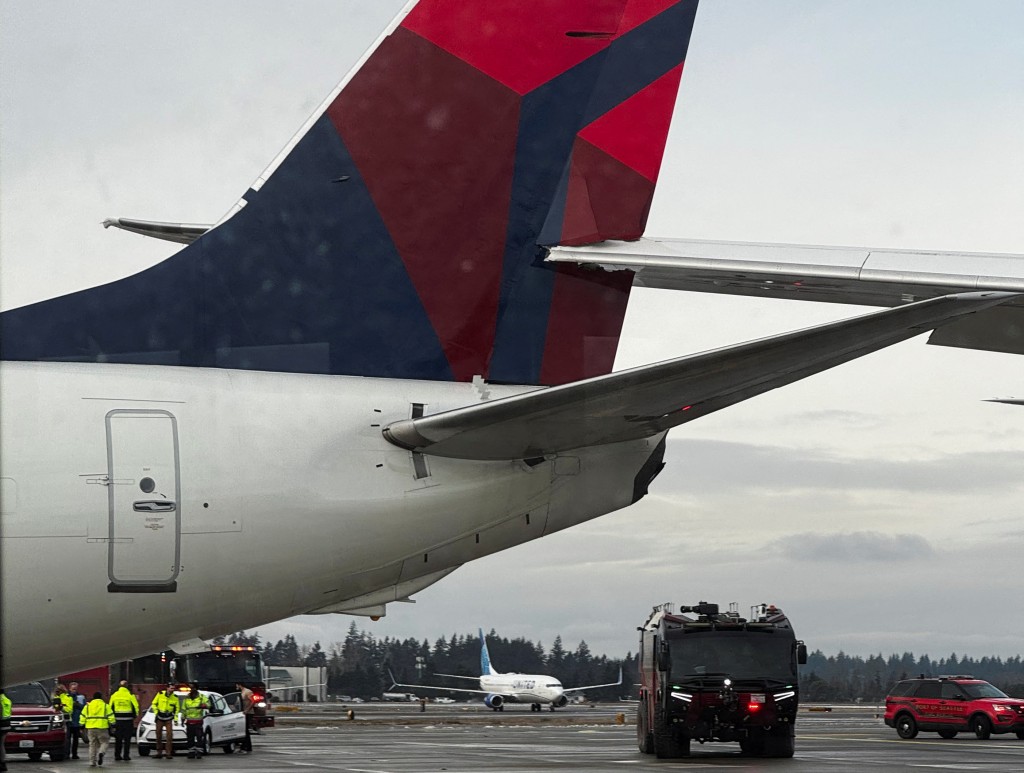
(36,726)
(949,705)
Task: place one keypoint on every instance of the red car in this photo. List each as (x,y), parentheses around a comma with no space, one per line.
(36,726)
(948,705)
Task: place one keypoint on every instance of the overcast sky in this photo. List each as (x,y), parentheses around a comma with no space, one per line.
(878,503)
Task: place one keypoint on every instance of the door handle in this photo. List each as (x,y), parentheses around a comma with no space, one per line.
(155,506)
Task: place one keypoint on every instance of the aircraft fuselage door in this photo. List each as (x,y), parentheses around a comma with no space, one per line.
(145,501)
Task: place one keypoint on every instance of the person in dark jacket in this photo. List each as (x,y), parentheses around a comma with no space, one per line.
(75,730)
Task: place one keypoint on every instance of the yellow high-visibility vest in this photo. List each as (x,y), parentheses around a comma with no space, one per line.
(97,714)
(124,704)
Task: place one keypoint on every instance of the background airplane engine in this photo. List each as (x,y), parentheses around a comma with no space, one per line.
(560,701)
(493,701)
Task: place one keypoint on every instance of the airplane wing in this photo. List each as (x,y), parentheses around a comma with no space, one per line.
(862,276)
(644,401)
(438,687)
(296,687)
(459,676)
(594,686)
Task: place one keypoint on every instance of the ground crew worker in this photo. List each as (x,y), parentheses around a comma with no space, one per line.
(76,730)
(97,717)
(247,706)
(5,725)
(125,707)
(165,707)
(193,709)
(67,708)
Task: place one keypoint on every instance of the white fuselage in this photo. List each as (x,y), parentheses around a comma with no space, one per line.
(231,499)
(523,688)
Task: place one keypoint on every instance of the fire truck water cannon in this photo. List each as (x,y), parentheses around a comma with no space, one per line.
(708,675)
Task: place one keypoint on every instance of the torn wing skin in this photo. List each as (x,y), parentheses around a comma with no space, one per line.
(644,401)
(858,275)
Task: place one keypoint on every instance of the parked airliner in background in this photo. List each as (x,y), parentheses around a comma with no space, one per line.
(367,373)
(499,689)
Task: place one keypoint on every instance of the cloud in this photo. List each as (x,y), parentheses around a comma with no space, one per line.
(854,547)
(851,419)
(702,465)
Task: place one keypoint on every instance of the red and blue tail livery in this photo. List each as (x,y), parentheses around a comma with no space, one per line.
(405,232)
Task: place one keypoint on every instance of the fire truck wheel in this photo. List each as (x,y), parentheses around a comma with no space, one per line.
(906,727)
(781,742)
(644,739)
(753,745)
(947,734)
(981,726)
(669,744)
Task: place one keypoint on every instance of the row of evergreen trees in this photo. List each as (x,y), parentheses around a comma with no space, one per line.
(361,665)
(846,678)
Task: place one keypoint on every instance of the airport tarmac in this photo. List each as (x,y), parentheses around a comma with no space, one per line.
(459,739)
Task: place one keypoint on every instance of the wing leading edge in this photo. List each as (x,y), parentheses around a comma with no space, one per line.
(644,401)
(858,275)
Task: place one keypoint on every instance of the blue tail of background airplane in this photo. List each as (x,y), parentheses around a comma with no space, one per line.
(404,234)
(485,658)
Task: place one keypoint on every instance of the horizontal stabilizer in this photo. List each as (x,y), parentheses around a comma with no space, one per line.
(800,272)
(644,401)
(182,233)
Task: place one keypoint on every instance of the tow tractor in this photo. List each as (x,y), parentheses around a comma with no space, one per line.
(715,676)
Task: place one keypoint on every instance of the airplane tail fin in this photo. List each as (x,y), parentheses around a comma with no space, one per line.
(404,233)
(485,658)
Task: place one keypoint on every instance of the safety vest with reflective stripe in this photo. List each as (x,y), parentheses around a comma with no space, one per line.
(67,703)
(97,714)
(166,704)
(124,704)
(5,712)
(194,708)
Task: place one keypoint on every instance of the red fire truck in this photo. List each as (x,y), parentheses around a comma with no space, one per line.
(718,677)
(218,669)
